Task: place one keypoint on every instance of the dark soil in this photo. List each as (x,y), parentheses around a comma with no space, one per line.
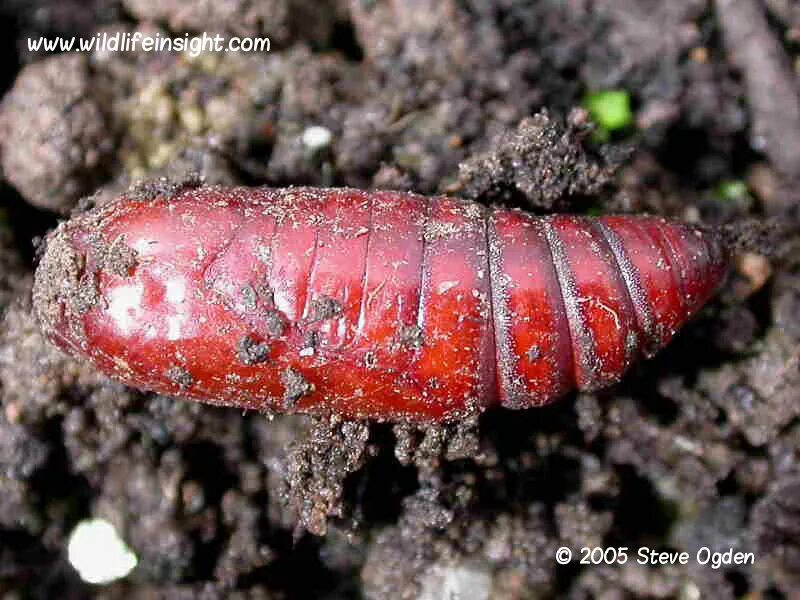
(697,447)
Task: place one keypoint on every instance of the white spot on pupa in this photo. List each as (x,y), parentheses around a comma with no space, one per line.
(176,291)
(124,306)
(174,327)
(446,286)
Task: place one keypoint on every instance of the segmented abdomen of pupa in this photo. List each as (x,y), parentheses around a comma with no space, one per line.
(383,305)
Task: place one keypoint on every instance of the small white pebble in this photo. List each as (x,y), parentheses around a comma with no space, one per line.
(98,553)
(461,582)
(317,137)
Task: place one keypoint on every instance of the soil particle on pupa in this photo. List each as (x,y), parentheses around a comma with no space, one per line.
(117,257)
(323,308)
(310,343)
(533,354)
(180,377)
(274,324)
(295,386)
(411,337)
(249,297)
(62,285)
(427,447)
(318,465)
(163,187)
(251,352)
(200,161)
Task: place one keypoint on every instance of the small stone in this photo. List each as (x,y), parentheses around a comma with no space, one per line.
(463,581)
(316,137)
(755,269)
(96,550)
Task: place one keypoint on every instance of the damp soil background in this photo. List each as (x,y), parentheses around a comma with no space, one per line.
(698,447)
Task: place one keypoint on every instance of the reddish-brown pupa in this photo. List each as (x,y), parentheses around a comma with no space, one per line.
(385,305)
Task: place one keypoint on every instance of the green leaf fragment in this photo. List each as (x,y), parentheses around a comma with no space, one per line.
(610,109)
(732,190)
